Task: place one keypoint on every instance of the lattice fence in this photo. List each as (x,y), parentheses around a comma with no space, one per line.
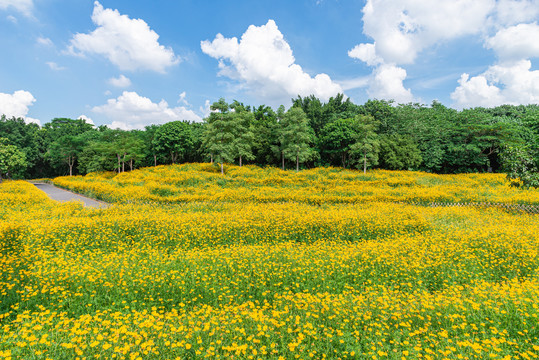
(531,209)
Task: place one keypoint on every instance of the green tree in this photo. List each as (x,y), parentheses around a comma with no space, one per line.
(367,145)
(337,138)
(244,136)
(399,152)
(174,138)
(130,146)
(11,158)
(266,137)
(219,134)
(66,149)
(521,168)
(296,137)
(313,108)
(61,139)
(26,137)
(150,140)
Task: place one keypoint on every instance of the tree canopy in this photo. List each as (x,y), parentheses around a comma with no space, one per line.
(378,133)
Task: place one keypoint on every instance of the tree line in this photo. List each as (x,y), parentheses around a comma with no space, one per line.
(377,134)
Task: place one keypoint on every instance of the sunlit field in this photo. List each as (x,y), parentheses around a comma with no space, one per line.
(270,264)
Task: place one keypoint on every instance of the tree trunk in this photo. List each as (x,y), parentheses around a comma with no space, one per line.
(70,163)
(240,160)
(1,180)
(119,163)
(154,160)
(297,163)
(173,157)
(211,158)
(222,169)
(131,164)
(364,162)
(123,163)
(282,157)
(344,160)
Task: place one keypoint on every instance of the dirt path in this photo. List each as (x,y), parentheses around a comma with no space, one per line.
(63,195)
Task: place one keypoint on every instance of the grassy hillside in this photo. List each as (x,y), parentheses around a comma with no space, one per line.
(203,182)
(274,268)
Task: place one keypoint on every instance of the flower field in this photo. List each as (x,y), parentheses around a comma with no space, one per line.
(268,264)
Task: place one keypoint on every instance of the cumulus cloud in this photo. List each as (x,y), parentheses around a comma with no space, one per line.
(387,83)
(366,53)
(120,82)
(23,6)
(512,12)
(132,111)
(403,29)
(516,42)
(507,83)
(262,61)
(16,105)
(128,43)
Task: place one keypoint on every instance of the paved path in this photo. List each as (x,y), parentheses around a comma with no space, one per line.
(64,195)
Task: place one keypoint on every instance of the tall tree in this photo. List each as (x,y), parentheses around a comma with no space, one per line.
(66,149)
(337,138)
(296,136)
(174,138)
(244,136)
(26,137)
(312,107)
(11,158)
(367,143)
(266,136)
(399,152)
(150,140)
(219,133)
(521,168)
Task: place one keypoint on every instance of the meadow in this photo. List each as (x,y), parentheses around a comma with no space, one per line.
(268,264)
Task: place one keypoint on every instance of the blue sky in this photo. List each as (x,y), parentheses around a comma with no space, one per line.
(128,64)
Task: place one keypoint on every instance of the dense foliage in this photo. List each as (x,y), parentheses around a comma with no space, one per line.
(272,264)
(377,134)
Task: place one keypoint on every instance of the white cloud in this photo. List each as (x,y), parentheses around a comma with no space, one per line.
(44,41)
(511,12)
(516,42)
(12,18)
(132,111)
(403,28)
(387,84)
(128,43)
(54,66)
(365,53)
(30,120)
(23,6)
(121,81)
(507,83)
(16,104)
(262,61)
(87,119)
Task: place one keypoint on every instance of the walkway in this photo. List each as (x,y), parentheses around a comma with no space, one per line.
(64,195)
